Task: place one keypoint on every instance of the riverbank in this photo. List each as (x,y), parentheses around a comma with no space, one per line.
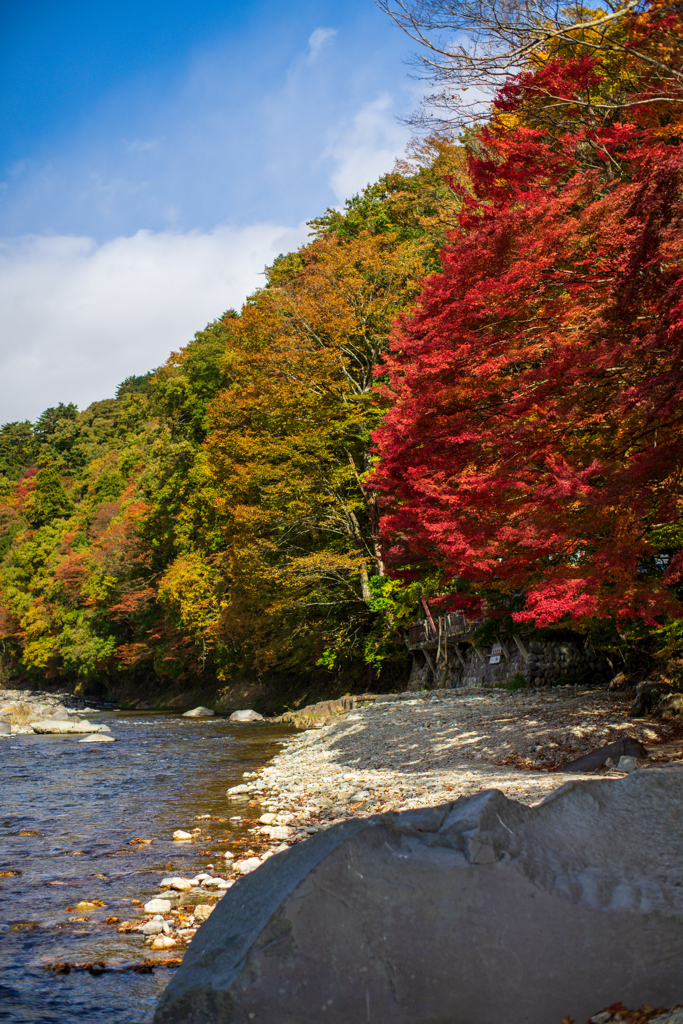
(414,750)
(410,750)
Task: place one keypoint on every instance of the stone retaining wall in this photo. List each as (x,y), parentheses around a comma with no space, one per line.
(547,663)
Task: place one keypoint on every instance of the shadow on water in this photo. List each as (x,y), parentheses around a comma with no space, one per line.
(68,813)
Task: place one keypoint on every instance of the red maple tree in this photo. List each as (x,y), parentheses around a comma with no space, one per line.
(533,441)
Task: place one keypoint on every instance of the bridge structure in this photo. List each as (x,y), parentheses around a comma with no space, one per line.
(437,637)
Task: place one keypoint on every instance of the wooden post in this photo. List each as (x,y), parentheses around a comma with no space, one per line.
(429,614)
(459,656)
(428,659)
(478,653)
(504,649)
(521,648)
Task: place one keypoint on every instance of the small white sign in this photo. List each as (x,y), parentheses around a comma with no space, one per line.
(496,649)
(494,659)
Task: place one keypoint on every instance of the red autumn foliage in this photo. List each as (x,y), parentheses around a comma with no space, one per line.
(534,437)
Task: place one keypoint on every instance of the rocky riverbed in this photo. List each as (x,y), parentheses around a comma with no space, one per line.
(25,712)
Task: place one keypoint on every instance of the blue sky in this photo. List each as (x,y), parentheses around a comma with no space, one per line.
(156,156)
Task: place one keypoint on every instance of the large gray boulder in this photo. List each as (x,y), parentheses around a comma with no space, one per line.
(482,911)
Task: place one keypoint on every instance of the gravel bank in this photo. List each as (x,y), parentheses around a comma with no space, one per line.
(414,750)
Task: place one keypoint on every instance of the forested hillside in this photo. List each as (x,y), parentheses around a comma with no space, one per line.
(467,386)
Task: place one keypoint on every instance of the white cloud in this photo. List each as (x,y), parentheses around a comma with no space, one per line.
(76,318)
(317,40)
(365,147)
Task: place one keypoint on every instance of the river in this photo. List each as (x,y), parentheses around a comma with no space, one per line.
(68,813)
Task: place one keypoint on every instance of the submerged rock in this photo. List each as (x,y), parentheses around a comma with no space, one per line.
(481,910)
(246,716)
(199,713)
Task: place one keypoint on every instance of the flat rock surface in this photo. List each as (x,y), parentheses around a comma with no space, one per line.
(480,910)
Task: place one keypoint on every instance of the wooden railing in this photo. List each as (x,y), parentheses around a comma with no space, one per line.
(451,626)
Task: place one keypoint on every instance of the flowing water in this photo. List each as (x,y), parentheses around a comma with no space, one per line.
(68,813)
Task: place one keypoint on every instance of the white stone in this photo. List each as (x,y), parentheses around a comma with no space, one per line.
(157,906)
(238,790)
(179,884)
(179,834)
(627,764)
(246,716)
(247,865)
(95,738)
(267,819)
(229,855)
(154,927)
(199,712)
(281,832)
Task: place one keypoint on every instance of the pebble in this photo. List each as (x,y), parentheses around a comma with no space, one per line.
(404,751)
